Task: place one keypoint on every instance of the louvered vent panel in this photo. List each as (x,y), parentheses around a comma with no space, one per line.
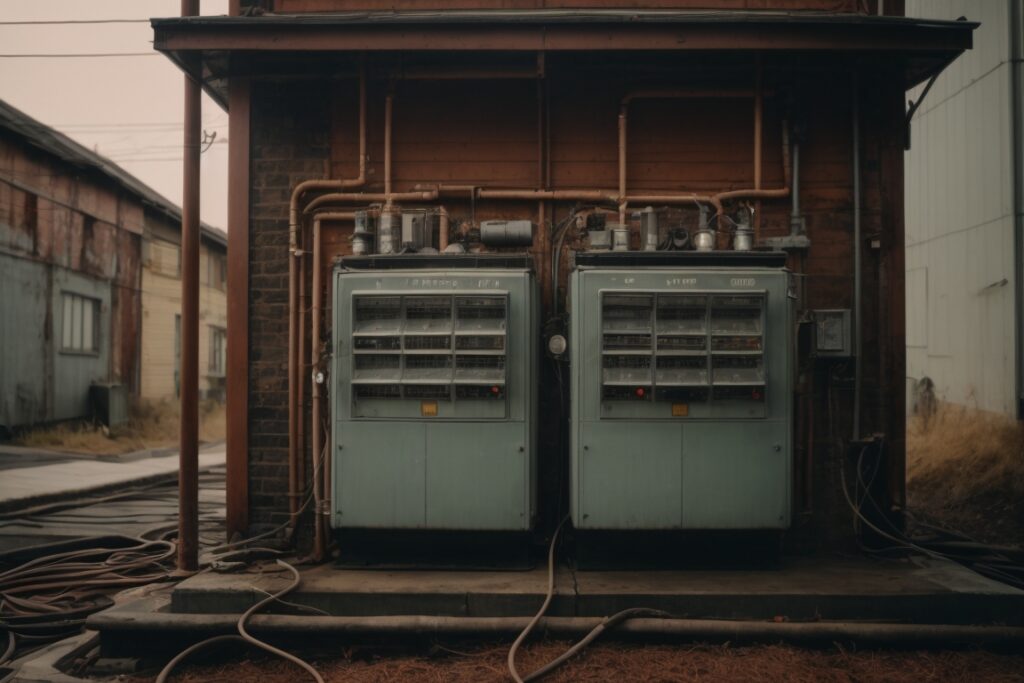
(682,347)
(442,347)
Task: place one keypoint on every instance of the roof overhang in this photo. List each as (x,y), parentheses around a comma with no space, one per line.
(210,48)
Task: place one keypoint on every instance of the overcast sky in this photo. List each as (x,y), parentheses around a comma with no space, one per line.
(126,108)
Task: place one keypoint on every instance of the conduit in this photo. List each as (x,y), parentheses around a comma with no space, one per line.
(294,349)
(857,319)
(717,630)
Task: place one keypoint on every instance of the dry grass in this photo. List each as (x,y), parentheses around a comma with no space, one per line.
(628,662)
(152,425)
(965,469)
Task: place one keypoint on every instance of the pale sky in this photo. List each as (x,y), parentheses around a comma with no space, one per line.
(126,108)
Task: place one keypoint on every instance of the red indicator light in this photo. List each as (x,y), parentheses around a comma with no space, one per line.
(495,390)
(640,393)
(756,395)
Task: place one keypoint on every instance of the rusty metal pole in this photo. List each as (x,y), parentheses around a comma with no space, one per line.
(188,457)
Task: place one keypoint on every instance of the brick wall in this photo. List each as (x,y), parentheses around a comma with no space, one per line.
(290,136)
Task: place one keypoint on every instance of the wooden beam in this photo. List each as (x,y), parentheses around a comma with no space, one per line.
(238,310)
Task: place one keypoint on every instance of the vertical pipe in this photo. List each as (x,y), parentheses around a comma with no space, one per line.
(388,107)
(300,371)
(319,484)
(623,122)
(858,322)
(758,143)
(188,456)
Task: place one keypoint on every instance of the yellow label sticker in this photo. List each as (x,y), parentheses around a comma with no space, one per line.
(680,409)
(428,408)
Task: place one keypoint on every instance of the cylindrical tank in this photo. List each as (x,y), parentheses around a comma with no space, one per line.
(388,233)
(506,233)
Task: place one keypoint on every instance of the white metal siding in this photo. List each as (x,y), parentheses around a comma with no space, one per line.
(959,219)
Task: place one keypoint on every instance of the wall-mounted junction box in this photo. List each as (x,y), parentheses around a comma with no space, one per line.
(433,393)
(832,332)
(681,391)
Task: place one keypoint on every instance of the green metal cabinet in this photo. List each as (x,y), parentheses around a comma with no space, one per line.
(433,388)
(682,385)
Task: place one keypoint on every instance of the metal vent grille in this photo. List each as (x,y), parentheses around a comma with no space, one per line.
(440,347)
(682,347)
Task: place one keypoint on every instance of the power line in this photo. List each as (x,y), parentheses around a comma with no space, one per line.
(81,54)
(40,22)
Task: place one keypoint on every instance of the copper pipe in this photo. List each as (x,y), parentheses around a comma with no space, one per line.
(686,94)
(622,162)
(300,364)
(442,231)
(322,483)
(602,196)
(388,107)
(188,454)
(294,349)
(758,134)
(368,198)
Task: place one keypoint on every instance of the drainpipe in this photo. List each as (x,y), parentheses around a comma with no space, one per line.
(1017,100)
(188,455)
(295,468)
(857,319)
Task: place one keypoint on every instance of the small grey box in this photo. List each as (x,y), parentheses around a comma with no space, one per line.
(832,332)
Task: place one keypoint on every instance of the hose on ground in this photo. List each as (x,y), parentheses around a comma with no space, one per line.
(595,633)
(245,636)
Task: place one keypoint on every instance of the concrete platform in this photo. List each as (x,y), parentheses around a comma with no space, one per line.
(816,590)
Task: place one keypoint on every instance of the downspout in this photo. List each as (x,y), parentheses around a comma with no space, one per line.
(295,252)
(1017,100)
(857,320)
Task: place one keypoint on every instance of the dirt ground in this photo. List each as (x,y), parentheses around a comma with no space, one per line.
(965,470)
(628,662)
(152,425)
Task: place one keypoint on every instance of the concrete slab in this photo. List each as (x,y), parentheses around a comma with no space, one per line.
(32,485)
(803,589)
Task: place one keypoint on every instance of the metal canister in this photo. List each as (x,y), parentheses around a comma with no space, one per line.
(704,240)
(742,240)
(620,237)
(388,233)
(649,229)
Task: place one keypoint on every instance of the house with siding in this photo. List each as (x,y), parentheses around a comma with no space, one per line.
(76,236)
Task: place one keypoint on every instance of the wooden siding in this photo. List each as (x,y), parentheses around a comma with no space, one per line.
(161,302)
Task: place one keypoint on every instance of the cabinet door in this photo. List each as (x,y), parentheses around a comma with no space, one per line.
(380,476)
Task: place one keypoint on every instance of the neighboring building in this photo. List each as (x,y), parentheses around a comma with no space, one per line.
(161,311)
(964,213)
(524,101)
(74,231)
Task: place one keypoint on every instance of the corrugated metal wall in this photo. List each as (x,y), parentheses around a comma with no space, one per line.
(959,219)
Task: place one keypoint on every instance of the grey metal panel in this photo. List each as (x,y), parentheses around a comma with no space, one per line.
(73,373)
(638,464)
(380,485)
(630,477)
(474,460)
(736,477)
(475,479)
(24,382)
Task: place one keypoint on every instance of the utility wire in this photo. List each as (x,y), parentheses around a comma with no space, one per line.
(51,22)
(44,55)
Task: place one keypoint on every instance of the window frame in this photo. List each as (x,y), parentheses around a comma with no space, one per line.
(217,357)
(68,324)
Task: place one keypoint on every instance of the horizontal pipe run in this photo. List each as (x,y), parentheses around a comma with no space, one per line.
(886,634)
(369,198)
(686,94)
(537,195)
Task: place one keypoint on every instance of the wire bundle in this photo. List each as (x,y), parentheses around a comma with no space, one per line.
(50,597)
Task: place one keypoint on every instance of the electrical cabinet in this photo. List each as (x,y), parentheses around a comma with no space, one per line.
(433,393)
(681,391)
